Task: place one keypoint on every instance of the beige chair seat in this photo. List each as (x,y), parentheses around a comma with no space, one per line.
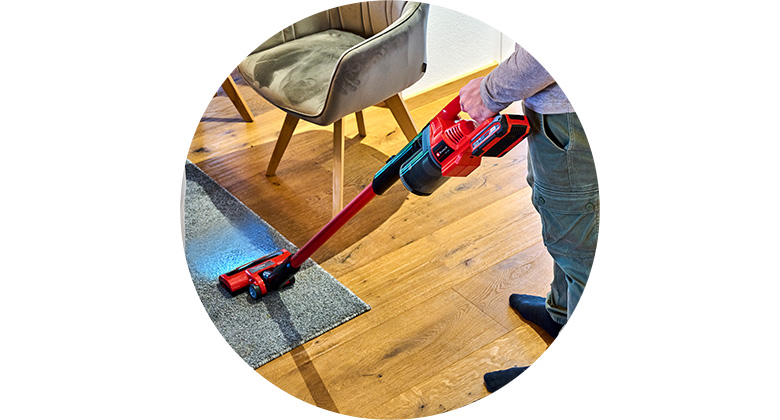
(296,75)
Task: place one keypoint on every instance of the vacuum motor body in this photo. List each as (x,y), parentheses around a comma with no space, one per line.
(449,146)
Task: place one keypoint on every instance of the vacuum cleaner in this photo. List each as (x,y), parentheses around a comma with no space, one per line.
(447,147)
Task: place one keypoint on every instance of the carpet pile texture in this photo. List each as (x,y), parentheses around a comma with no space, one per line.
(221,233)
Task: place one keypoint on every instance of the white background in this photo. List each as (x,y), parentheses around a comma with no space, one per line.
(100,101)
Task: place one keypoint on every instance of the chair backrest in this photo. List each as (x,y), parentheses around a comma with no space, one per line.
(366,19)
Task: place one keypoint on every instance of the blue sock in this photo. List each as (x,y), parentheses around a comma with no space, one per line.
(499,378)
(532,309)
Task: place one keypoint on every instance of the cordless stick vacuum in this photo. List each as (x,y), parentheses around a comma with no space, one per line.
(448,146)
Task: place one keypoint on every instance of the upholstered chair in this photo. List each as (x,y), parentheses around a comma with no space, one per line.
(339,62)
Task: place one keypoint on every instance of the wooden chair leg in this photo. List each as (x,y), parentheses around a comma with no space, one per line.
(338,166)
(361,123)
(288,127)
(232,92)
(401,113)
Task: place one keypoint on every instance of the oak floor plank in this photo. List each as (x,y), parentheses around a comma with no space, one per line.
(381,362)
(462,382)
(528,272)
(284,374)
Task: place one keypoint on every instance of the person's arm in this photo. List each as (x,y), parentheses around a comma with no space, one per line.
(515,79)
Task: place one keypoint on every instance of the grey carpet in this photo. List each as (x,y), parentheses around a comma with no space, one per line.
(220,233)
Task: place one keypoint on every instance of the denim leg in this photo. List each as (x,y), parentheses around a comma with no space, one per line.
(565,193)
(558,297)
(569,280)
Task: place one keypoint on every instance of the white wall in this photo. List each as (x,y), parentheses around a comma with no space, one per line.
(458,44)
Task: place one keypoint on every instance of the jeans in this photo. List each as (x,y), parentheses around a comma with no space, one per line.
(562,176)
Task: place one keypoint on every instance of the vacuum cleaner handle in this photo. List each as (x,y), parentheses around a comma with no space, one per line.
(451,111)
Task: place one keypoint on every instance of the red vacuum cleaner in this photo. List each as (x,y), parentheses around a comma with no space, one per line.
(448,146)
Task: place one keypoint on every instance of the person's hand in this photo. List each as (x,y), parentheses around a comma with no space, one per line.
(471,102)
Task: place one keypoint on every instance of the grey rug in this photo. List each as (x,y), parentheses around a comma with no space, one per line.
(220,233)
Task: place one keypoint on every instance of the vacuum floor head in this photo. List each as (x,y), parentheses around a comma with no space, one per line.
(260,275)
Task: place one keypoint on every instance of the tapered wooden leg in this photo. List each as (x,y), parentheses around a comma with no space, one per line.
(338,166)
(361,123)
(288,127)
(238,101)
(401,113)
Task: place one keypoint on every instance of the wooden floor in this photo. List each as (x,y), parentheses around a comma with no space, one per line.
(437,271)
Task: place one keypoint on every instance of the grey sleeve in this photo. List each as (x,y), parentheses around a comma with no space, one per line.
(515,79)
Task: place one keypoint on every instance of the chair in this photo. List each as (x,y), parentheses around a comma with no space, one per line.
(338,62)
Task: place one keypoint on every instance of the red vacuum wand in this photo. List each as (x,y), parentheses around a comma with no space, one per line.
(448,146)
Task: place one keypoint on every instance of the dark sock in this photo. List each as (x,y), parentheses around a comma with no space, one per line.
(495,380)
(532,309)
